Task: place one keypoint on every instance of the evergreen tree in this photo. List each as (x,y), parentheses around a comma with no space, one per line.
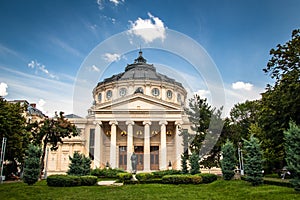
(194,163)
(80,165)
(228,162)
(184,166)
(253,161)
(32,164)
(292,144)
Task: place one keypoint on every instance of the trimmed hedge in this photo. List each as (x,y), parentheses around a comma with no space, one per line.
(63,181)
(182,179)
(160,174)
(88,180)
(106,173)
(70,181)
(208,178)
(144,176)
(278,182)
(124,176)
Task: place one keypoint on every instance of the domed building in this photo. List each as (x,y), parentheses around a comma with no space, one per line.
(137,111)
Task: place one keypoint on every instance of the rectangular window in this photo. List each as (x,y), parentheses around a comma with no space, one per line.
(92,143)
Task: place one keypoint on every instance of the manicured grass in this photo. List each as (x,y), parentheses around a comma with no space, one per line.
(217,190)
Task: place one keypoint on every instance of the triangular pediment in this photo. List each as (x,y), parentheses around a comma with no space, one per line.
(138,102)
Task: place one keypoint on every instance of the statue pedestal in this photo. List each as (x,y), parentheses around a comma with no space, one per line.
(134,178)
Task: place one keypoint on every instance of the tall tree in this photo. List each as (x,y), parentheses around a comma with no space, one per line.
(52,131)
(32,164)
(253,161)
(292,144)
(228,162)
(12,126)
(280,102)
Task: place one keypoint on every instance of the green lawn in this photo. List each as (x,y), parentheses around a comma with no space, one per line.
(218,190)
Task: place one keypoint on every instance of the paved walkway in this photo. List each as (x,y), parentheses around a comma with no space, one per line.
(107,183)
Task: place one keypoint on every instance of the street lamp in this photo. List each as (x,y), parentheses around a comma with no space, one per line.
(2,178)
(240,154)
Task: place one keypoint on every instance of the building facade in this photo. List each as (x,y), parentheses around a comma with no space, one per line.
(138,110)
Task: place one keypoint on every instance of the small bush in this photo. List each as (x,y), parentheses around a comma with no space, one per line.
(208,178)
(106,173)
(63,181)
(160,174)
(144,176)
(278,182)
(182,179)
(88,180)
(124,176)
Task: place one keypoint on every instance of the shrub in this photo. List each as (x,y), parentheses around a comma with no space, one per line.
(80,165)
(278,182)
(124,176)
(253,161)
(32,164)
(144,176)
(229,160)
(208,178)
(194,163)
(160,174)
(63,181)
(88,180)
(106,173)
(182,179)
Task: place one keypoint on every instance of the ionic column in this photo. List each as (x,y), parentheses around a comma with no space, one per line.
(163,145)
(97,152)
(113,144)
(130,147)
(147,145)
(178,144)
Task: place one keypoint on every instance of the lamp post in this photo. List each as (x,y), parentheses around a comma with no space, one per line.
(2,158)
(240,154)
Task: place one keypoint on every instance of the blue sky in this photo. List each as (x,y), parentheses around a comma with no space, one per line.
(46,45)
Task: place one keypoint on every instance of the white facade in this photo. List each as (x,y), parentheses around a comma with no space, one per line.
(138,111)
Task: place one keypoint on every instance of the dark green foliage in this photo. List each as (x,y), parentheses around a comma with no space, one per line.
(253,161)
(194,163)
(80,165)
(228,162)
(32,165)
(106,173)
(281,101)
(124,176)
(160,174)
(144,176)
(208,178)
(292,149)
(182,179)
(13,127)
(278,182)
(63,181)
(88,180)
(184,165)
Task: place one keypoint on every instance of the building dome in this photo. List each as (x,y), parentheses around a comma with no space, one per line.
(139,77)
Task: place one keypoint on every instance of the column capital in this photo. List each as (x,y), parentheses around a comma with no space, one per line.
(147,122)
(113,122)
(163,122)
(97,122)
(129,122)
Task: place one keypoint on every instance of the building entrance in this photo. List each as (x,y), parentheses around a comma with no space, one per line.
(139,151)
(154,157)
(123,157)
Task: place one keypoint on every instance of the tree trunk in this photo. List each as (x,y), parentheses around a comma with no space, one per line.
(42,163)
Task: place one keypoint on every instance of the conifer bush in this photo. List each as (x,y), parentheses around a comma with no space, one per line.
(292,149)
(194,163)
(253,161)
(32,164)
(228,162)
(80,165)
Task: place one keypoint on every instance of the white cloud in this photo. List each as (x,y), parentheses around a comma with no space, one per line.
(242,86)
(42,68)
(148,29)
(111,57)
(94,68)
(3,87)
(101,3)
(40,105)
(203,94)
